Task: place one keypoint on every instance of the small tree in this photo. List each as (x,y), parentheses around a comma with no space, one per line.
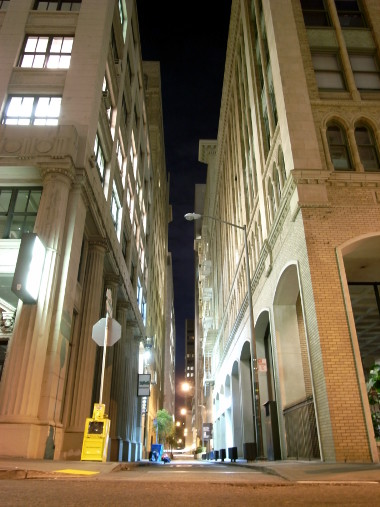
(165,425)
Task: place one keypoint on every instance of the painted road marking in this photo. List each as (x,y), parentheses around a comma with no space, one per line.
(76,472)
(337,482)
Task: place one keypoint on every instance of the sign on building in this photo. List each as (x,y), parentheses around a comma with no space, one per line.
(143,384)
(206,431)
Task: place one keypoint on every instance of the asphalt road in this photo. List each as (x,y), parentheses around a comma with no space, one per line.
(184,485)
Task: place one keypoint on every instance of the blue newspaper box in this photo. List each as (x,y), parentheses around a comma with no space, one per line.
(156,452)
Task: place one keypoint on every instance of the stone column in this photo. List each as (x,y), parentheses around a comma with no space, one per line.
(118,402)
(61,328)
(84,347)
(23,378)
(112,282)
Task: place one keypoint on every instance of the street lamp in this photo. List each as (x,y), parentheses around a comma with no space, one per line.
(255,380)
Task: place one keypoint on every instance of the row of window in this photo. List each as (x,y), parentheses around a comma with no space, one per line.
(330,76)
(340,152)
(57,5)
(350,13)
(18,211)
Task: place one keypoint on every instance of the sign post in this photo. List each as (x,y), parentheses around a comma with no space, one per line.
(108,317)
(105,332)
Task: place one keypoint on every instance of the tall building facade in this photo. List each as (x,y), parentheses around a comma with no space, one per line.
(293,201)
(81,168)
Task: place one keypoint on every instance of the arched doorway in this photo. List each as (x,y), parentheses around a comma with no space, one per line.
(268,399)
(361,286)
(295,382)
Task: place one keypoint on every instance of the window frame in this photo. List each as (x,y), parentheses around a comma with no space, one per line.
(310,13)
(115,208)
(4,4)
(47,54)
(341,145)
(338,71)
(351,14)
(372,146)
(360,72)
(59,3)
(10,213)
(99,155)
(33,118)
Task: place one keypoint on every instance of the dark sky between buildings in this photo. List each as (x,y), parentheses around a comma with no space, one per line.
(190,40)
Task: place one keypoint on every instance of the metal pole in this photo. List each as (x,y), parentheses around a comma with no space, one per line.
(108,321)
(104,360)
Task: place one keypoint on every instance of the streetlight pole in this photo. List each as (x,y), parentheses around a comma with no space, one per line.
(254,369)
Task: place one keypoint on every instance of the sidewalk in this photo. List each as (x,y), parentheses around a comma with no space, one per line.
(290,470)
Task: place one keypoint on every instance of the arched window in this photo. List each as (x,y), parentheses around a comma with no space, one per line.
(338,146)
(276,183)
(281,166)
(271,201)
(367,148)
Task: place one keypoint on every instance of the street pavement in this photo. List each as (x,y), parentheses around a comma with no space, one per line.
(290,470)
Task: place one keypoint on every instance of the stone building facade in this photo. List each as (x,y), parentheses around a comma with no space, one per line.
(297,169)
(81,169)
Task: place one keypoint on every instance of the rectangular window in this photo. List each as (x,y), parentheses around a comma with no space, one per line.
(4,5)
(350,14)
(46,52)
(57,5)
(121,12)
(315,13)
(366,71)
(27,110)
(328,71)
(18,211)
(99,158)
(115,208)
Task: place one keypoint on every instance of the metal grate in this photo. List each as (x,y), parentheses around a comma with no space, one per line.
(301,431)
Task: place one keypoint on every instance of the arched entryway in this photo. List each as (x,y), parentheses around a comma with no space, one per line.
(268,400)
(295,382)
(359,262)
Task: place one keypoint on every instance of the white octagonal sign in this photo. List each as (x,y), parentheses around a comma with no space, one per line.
(99,329)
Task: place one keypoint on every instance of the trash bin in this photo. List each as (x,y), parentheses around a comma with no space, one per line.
(250,451)
(216,455)
(232,453)
(222,454)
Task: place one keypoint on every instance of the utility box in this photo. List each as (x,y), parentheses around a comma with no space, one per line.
(96,435)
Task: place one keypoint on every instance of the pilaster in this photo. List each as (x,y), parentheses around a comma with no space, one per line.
(85,347)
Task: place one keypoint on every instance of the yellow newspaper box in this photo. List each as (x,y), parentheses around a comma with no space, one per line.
(96,435)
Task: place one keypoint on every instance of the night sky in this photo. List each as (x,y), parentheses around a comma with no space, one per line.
(190,41)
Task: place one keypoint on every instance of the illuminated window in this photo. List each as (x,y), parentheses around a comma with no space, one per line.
(52,52)
(115,208)
(27,110)
(121,13)
(58,5)
(99,157)
(18,211)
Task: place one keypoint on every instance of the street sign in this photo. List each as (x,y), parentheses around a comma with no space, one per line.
(143,384)
(99,329)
